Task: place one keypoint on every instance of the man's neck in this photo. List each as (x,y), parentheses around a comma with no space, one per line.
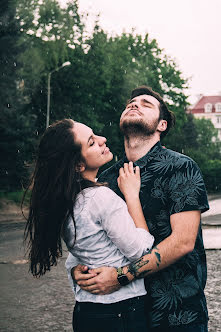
(137,147)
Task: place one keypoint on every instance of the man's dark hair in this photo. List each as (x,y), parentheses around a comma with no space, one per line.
(165,114)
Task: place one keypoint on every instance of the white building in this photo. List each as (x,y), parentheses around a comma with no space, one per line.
(208,107)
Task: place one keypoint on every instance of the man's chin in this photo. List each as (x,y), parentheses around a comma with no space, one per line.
(133,126)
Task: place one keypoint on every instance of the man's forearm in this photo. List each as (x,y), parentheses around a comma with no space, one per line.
(159,257)
(185,227)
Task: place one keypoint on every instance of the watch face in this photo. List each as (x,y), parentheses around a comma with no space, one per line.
(123,280)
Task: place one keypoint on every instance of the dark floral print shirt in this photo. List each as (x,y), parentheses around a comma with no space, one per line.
(171,183)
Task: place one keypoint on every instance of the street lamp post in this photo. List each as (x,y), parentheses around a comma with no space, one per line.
(49,90)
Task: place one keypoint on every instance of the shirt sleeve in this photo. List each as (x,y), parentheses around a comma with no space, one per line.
(71,261)
(187,190)
(120,228)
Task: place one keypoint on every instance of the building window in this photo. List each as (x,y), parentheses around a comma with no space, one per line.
(218,107)
(208,108)
(218,119)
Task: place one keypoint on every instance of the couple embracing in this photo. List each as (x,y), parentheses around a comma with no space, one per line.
(135,241)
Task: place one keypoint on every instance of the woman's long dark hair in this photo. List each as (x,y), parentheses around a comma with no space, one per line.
(55,184)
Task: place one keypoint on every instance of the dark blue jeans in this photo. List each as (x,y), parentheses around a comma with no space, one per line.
(123,316)
(187,328)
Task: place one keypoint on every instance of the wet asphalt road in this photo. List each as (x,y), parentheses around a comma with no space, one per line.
(46,304)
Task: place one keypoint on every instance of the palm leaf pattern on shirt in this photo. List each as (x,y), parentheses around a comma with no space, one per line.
(159,189)
(164,228)
(185,188)
(156,317)
(164,295)
(145,177)
(184,317)
(173,288)
(164,162)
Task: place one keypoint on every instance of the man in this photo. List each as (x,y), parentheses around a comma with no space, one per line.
(173,196)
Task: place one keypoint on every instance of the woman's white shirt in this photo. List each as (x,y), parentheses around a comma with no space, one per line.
(105,236)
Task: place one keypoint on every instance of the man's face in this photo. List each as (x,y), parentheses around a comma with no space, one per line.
(141,116)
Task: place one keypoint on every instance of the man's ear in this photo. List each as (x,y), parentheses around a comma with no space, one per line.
(162,125)
(80,167)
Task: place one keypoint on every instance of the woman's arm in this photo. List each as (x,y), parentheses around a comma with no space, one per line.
(129,183)
(112,213)
(115,219)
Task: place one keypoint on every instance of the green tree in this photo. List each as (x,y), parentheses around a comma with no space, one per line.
(200,142)
(201,135)
(52,33)
(104,69)
(13,125)
(212,175)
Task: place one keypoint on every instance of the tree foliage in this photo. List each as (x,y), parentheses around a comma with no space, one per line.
(37,37)
(14,126)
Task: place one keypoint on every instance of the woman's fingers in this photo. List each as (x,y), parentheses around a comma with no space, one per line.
(126,168)
(137,170)
(121,171)
(131,167)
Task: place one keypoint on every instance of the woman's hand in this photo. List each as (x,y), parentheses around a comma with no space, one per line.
(129,180)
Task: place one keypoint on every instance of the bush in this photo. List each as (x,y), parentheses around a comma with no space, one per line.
(15,196)
(212,175)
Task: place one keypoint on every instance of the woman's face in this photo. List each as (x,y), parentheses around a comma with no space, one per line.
(94,151)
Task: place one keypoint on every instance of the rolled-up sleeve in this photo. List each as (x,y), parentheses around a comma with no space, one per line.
(120,228)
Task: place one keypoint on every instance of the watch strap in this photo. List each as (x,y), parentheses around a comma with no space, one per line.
(121,277)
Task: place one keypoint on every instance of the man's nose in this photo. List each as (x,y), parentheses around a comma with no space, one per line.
(134,104)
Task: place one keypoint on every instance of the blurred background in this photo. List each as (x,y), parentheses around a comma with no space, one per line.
(80,59)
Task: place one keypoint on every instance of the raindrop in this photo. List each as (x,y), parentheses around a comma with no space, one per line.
(15,64)
(6,172)
(18,151)
(8,105)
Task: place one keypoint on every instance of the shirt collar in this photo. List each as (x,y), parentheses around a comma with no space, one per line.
(145,159)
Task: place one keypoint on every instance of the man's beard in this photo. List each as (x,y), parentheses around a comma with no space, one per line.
(137,127)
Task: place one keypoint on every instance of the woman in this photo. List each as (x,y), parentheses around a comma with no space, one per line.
(66,202)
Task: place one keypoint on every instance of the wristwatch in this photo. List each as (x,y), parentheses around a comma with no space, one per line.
(121,277)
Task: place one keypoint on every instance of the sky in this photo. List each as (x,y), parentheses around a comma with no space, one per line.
(188,30)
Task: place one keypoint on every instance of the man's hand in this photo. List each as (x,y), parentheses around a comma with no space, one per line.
(80,272)
(102,280)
